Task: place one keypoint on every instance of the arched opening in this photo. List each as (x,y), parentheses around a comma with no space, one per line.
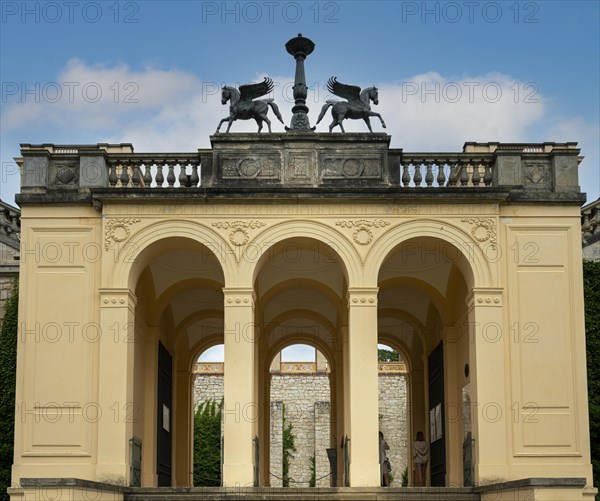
(393,405)
(300,286)
(422,312)
(208,393)
(179,314)
(300,418)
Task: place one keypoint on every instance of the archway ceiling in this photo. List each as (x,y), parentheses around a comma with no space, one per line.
(177,265)
(424,260)
(402,332)
(209,330)
(407,300)
(195,300)
(301,258)
(300,298)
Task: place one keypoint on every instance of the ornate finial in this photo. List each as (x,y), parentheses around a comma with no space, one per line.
(300,47)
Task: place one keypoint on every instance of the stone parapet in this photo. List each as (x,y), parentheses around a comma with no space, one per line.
(242,165)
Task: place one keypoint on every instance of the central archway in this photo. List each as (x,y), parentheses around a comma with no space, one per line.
(300,285)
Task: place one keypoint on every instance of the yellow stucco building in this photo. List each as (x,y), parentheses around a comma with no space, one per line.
(467,263)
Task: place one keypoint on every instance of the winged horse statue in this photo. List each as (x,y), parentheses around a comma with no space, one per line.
(357,106)
(242,106)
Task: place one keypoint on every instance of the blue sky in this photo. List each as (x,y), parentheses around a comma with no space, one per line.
(148,72)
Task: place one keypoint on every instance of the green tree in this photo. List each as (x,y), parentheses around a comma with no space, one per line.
(289,446)
(591,288)
(8,376)
(207,444)
(384,355)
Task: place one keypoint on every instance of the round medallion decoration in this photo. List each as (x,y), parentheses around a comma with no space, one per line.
(352,167)
(248,167)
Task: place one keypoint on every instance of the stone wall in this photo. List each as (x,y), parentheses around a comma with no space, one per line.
(393,421)
(306,398)
(207,387)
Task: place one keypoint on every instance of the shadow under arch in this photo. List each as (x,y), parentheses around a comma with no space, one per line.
(472,263)
(419,328)
(349,260)
(422,286)
(154,240)
(296,338)
(163,301)
(306,283)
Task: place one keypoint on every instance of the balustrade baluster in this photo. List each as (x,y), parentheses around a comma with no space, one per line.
(441,177)
(183,179)
(195,179)
(405,175)
(429,174)
(487,175)
(147,174)
(124,175)
(453,177)
(464,175)
(136,177)
(476,177)
(418,178)
(112,176)
(160,178)
(171,174)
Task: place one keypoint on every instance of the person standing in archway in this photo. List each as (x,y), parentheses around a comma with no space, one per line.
(420,459)
(384,464)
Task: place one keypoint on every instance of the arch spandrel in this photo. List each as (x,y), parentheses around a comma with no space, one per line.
(258,249)
(158,237)
(478,271)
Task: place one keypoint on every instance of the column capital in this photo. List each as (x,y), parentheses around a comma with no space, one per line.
(239,296)
(484,296)
(362,296)
(117,298)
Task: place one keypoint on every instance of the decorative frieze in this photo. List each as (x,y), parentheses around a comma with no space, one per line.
(298,367)
(117,230)
(483,229)
(209,368)
(239,235)
(263,166)
(363,235)
(537,174)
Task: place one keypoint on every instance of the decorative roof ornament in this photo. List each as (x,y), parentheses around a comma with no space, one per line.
(300,47)
(242,106)
(356,106)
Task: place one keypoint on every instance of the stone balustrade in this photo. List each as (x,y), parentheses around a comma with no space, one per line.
(10,222)
(309,164)
(590,230)
(590,220)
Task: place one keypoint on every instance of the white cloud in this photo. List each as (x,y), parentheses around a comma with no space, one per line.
(176,111)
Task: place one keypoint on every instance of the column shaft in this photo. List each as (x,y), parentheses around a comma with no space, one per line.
(240,407)
(363,388)
(115,393)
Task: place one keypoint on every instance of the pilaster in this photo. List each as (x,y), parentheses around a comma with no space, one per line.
(115,393)
(240,408)
(363,387)
(487,357)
